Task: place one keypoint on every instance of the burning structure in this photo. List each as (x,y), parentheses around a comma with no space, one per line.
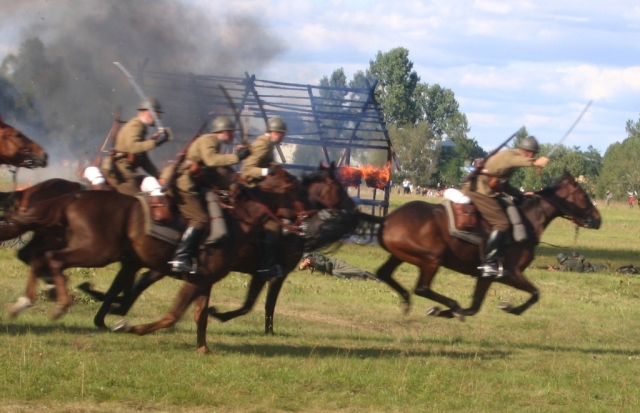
(325,124)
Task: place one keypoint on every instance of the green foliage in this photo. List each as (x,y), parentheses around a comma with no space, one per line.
(620,172)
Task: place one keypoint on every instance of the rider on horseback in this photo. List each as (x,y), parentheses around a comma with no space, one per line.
(492,182)
(254,169)
(130,150)
(196,172)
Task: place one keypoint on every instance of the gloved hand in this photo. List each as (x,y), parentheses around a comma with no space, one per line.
(243,153)
(160,137)
(273,168)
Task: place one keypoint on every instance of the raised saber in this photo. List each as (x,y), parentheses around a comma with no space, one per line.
(140,93)
(557,145)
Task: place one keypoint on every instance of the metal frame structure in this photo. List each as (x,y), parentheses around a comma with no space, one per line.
(334,120)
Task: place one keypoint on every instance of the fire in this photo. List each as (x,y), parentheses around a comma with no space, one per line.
(20,187)
(373,177)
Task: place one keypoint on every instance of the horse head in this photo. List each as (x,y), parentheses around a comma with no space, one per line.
(18,150)
(573,202)
(325,190)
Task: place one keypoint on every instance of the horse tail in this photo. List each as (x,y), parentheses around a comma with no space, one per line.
(326,232)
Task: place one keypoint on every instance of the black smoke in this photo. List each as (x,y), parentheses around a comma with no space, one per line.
(60,82)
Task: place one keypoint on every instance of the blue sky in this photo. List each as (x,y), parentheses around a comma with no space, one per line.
(509,63)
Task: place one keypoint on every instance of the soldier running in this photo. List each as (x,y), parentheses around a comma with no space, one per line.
(258,165)
(131,150)
(196,172)
(492,182)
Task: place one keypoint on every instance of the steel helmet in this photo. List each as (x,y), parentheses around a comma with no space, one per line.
(222,123)
(575,254)
(153,102)
(276,125)
(562,257)
(529,144)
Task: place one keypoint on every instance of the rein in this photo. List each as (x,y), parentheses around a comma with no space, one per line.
(565,212)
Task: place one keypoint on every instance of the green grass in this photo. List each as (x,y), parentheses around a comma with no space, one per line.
(345,345)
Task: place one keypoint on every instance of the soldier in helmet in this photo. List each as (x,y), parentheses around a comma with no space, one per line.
(492,182)
(569,264)
(195,172)
(131,149)
(255,168)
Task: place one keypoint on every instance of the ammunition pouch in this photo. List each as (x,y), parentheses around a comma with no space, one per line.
(495,183)
(160,207)
(466,216)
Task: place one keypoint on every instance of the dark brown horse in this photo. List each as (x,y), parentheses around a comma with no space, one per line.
(18,150)
(418,233)
(104,227)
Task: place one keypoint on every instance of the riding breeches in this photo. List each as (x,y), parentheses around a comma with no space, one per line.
(191,209)
(490,209)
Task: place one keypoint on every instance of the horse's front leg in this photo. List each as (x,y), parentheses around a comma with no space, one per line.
(270,304)
(519,281)
(252,295)
(201,318)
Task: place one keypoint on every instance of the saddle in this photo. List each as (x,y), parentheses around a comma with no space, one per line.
(465,222)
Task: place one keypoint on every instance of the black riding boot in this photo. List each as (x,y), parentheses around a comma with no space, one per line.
(268,268)
(493,252)
(184,258)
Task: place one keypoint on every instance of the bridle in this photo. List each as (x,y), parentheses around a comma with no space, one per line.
(25,152)
(566,211)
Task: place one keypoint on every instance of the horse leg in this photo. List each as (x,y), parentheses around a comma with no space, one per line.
(479,293)
(520,282)
(201,318)
(185,297)
(384,275)
(144,281)
(270,304)
(252,295)
(123,281)
(428,270)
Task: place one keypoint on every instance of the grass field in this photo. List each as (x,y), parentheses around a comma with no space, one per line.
(345,345)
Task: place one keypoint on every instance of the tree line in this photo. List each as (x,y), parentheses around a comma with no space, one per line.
(431,136)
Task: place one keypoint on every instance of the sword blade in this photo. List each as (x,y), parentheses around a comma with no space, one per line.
(557,145)
(140,93)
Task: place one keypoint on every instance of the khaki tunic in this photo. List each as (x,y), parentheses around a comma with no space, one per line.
(131,140)
(204,151)
(261,157)
(502,165)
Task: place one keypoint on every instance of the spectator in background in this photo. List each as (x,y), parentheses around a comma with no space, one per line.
(631,201)
(609,197)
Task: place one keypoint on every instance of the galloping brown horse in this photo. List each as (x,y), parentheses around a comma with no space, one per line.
(18,150)
(323,191)
(418,233)
(105,227)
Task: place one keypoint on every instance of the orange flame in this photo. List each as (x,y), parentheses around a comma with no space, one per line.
(373,177)
(24,186)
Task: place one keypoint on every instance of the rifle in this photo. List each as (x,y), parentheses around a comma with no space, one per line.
(180,157)
(479,165)
(115,126)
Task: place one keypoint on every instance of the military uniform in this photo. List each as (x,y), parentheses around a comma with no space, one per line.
(499,168)
(484,190)
(338,268)
(131,152)
(261,157)
(202,156)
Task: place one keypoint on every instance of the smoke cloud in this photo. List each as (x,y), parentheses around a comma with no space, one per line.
(61,86)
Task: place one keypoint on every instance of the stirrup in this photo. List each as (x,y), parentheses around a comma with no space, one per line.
(269,273)
(179,266)
(493,270)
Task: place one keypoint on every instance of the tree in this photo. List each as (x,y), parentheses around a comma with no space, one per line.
(620,173)
(397,83)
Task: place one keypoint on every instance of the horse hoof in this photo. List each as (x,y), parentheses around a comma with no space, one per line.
(122,326)
(406,308)
(434,311)
(459,316)
(204,350)
(57,312)
(212,311)
(505,306)
(85,287)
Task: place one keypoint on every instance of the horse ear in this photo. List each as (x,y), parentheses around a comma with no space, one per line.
(1,121)
(568,177)
(333,165)
(323,166)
